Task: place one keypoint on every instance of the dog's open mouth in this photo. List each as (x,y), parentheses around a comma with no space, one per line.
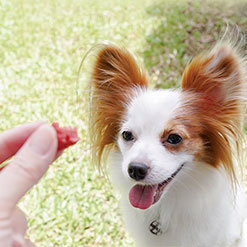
(143,196)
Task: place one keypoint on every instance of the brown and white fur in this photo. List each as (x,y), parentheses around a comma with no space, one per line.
(173,153)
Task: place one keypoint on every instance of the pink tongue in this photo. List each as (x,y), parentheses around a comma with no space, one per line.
(142,196)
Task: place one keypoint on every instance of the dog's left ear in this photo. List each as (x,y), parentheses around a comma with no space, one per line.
(115,78)
(217,81)
(217,76)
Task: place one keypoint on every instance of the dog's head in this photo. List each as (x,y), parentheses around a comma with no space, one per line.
(157,132)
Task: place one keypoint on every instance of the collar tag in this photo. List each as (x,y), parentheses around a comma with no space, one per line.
(155,227)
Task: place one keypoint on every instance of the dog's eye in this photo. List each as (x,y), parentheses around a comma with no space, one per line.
(174,139)
(127,136)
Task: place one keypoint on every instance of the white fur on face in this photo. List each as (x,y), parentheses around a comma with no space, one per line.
(146,118)
(193,210)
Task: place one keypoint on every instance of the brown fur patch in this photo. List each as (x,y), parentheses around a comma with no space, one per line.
(114,78)
(192,142)
(215,82)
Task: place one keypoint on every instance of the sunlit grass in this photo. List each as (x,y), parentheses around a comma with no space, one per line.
(41,46)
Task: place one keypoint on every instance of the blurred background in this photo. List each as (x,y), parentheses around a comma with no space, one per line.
(42,44)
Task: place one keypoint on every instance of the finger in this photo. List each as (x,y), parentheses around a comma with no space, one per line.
(21,242)
(28,166)
(19,228)
(18,241)
(11,140)
(29,243)
(18,222)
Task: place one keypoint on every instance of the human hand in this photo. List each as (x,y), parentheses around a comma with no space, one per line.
(34,147)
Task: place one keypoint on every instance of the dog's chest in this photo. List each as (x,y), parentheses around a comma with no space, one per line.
(161,227)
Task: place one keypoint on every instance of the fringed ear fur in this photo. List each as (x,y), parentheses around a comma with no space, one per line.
(218,78)
(115,76)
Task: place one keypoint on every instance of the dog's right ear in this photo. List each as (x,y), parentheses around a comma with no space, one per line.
(114,80)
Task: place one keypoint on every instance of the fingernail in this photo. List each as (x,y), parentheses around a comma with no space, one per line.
(42,139)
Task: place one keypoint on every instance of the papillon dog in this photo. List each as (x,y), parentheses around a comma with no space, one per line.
(173,153)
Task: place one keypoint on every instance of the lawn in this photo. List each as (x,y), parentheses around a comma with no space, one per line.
(42,44)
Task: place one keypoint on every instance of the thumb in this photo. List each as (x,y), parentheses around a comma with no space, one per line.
(28,166)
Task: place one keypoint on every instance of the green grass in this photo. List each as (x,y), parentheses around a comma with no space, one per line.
(41,46)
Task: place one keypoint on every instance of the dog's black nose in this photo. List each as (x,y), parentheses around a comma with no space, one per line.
(137,171)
